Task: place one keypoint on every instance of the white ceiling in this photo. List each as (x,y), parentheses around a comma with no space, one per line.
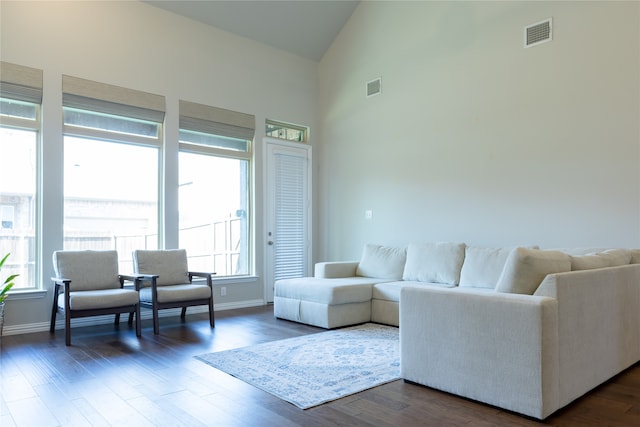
(303,27)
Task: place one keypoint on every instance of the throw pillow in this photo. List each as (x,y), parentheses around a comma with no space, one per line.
(382,262)
(635,256)
(482,266)
(434,262)
(526,268)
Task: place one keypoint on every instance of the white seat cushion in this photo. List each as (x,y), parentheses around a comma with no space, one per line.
(89,300)
(390,291)
(326,291)
(176,293)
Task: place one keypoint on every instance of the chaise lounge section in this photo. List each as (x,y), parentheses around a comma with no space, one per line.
(340,293)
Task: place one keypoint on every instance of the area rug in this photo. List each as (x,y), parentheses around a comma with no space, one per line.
(314,369)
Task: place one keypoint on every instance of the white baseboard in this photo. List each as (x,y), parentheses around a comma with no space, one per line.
(101,320)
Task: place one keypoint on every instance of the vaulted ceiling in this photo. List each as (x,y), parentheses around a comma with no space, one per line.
(302,27)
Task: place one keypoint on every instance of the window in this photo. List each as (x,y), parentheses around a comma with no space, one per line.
(21,89)
(285,131)
(215,189)
(112,141)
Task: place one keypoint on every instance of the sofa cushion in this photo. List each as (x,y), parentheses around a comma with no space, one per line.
(579,250)
(618,256)
(390,291)
(608,258)
(434,262)
(326,291)
(482,266)
(588,262)
(382,261)
(95,299)
(635,256)
(526,268)
(174,293)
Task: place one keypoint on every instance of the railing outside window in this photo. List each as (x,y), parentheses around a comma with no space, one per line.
(212,246)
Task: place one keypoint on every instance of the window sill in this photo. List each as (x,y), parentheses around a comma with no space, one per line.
(230,280)
(234,279)
(26,294)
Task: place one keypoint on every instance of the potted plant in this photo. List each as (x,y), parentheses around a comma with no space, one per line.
(5,287)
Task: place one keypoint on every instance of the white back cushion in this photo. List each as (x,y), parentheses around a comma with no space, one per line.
(525,269)
(382,262)
(169,265)
(434,262)
(608,258)
(87,270)
(482,266)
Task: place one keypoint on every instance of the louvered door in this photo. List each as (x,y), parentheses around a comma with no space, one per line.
(288,218)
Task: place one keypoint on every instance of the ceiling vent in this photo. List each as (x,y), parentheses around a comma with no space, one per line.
(374,87)
(540,32)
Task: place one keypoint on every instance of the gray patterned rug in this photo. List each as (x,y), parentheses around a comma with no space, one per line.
(317,368)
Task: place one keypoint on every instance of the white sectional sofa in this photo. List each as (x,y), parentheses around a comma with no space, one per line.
(523,329)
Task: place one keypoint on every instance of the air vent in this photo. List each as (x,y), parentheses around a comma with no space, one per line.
(540,32)
(374,87)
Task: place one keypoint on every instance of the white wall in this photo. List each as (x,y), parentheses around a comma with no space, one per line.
(138,46)
(475,138)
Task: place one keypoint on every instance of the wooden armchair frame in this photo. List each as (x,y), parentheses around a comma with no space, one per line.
(63,286)
(155,305)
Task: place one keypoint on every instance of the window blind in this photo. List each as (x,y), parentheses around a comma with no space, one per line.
(216,121)
(110,99)
(20,83)
(290,196)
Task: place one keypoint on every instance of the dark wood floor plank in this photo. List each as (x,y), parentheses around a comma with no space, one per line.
(109,377)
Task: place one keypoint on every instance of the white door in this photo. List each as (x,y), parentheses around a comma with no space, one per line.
(288,212)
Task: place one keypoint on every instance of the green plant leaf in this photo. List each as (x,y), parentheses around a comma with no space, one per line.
(10,278)
(8,282)
(4,259)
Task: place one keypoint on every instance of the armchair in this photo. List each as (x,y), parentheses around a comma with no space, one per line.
(165,282)
(91,286)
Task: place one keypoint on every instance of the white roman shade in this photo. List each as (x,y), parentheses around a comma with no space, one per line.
(20,83)
(104,98)
(216,121)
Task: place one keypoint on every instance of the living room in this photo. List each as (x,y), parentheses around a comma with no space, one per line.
(472,138)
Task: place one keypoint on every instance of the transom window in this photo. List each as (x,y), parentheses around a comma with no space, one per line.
(286,131)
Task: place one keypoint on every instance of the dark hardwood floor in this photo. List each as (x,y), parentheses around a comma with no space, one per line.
(108,377)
